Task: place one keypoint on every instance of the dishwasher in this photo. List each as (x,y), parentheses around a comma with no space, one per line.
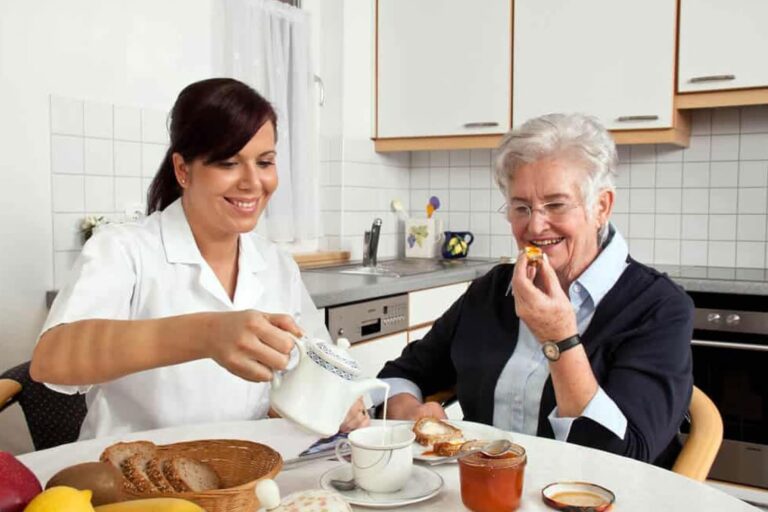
(368,319)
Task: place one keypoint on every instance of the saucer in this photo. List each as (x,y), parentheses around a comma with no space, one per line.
(422,485)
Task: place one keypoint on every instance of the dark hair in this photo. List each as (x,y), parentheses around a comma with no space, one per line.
(211,119)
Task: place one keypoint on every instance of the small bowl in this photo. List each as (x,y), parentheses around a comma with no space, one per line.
(578,497)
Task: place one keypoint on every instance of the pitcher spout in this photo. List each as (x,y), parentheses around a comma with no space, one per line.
(360,387)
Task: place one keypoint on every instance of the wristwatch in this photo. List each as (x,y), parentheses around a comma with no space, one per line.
(552,349)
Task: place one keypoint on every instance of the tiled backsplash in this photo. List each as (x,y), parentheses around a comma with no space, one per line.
(103,158)
(702,205)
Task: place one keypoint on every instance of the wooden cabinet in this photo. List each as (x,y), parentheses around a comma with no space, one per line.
(722,47)
(614,59)
(443,68)
(371,355)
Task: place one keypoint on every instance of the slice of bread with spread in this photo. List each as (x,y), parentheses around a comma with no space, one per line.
(430,430)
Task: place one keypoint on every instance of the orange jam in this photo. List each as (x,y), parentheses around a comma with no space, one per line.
(492,484)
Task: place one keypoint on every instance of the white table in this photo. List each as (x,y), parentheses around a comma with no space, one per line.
(638,486)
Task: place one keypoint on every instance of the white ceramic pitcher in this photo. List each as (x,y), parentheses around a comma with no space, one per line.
(318,392)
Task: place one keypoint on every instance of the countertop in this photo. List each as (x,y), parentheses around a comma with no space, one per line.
(332,288)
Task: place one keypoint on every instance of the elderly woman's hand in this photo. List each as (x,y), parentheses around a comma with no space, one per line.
(543,306)
(357,417)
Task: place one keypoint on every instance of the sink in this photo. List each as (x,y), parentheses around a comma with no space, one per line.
(403,267)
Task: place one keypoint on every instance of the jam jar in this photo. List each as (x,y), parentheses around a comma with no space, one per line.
(492,484)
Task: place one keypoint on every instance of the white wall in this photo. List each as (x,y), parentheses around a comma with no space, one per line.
(138,53)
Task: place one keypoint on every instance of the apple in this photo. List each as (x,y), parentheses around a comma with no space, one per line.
(18,485)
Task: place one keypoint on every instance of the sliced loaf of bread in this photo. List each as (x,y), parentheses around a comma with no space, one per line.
(154,469)
(430,430)
(190,475)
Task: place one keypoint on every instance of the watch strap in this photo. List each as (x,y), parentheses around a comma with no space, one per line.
(568,343)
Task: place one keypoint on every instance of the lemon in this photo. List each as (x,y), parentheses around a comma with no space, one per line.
(61,499)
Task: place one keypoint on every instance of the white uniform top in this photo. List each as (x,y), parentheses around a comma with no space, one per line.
(154,269)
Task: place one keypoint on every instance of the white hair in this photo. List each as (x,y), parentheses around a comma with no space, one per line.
(579,138)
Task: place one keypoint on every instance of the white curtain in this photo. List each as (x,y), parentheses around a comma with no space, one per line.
(266,45)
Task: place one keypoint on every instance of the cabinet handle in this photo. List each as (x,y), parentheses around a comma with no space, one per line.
(319,82)
(711,78)
(623,119)
(486,124)
(729,345)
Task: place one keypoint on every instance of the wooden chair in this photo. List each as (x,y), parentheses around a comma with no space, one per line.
(52,418)
(700,448)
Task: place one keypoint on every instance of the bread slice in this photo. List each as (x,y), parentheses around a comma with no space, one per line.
(134,470)
(118,453)
(430,430)
(448,448)
(190,475)
(154,470)
(534,254)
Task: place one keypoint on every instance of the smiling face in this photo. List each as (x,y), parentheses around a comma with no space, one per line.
(569,236)
(223,199)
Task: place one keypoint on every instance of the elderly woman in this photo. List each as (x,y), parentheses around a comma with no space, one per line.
(589,346)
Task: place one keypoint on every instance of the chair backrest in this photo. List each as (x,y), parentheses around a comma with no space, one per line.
(703,442)
(52,418)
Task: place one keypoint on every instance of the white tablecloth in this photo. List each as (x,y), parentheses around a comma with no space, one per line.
(638,486)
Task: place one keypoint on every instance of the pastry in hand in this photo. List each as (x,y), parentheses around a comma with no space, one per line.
(534,255)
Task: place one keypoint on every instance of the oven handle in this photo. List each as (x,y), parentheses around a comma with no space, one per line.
(737,346)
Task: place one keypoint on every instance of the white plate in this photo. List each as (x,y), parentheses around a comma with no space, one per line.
(470,430)
(422,485)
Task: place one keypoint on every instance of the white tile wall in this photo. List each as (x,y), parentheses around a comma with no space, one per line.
(99,153)
(702,205)
(710,200)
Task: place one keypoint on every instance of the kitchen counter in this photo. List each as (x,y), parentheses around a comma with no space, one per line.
(333,288)
(743,281)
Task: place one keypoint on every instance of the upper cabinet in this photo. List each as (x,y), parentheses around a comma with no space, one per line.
(443,69)
(721,60)
(723,45)
(614,59)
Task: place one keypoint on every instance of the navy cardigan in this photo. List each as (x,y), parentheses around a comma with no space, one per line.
(638,344)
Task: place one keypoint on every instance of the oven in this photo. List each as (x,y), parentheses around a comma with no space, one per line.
(730,364)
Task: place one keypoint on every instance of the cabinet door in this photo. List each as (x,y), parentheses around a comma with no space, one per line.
(418,333)
(614,59)
(425,306)
(443,67)
(723,45)
(371,355)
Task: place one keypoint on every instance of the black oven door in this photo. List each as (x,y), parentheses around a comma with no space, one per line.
(732,369)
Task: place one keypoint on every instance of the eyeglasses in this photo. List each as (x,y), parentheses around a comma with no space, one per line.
(517,211)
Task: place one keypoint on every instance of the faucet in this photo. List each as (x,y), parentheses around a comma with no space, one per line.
(371,244)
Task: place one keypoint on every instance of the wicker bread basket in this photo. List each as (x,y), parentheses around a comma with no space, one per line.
(240,464)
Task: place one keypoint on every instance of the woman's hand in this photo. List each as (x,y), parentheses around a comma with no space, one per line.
(545,309)
(357,417)
(405,406)
(250,344)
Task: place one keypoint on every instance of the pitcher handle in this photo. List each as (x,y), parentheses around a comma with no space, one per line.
(471,238)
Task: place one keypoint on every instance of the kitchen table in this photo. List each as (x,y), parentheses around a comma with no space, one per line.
(638,486)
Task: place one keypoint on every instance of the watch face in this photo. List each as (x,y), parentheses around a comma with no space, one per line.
(551,351)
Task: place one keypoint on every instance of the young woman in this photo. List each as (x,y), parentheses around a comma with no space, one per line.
(183,317)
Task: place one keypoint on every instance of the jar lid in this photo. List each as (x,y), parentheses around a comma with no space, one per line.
(332,358)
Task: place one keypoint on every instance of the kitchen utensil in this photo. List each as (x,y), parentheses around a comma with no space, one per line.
(432,206)
(492,449)
(319,390)
(343,485)
(397,206)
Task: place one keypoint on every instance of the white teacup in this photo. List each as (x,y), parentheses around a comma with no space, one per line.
(382,457)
